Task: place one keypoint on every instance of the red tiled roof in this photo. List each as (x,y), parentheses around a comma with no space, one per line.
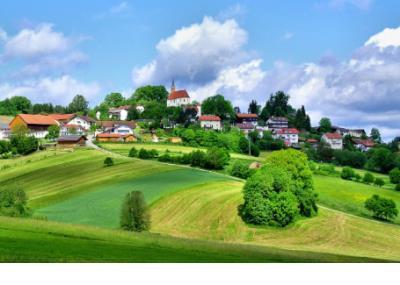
(333,136)
(37,119)
(178,94)
(285,131)
(246,116)
(62,117)
(312,140)
(209,118)
(366,143)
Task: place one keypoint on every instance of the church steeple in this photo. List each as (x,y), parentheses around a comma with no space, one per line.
(173,86)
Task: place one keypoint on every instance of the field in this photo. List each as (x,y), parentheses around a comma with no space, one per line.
(194,215)
(123,149)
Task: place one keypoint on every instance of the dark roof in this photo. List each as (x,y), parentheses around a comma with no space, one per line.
(245,126)
(87,119)
(71,138)
(284,119)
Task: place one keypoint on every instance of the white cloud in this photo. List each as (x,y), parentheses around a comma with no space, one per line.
(387,38)
(56,90)
(234,11)
(3,35)
(196,53)
(43,49)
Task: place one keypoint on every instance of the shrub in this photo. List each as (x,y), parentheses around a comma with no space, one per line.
(381,208)
(13,202)
(197,158)
(326,169)
(350,158)
(241,170)
(268,199)
(216,158)
(144,154)
(135,214)
(379,182)
(394,175)
(133,152)
(295,163)
(165,158)
(397,188)
(153,153)
(357,177)
(5,147)
(108,161)
(347,173)
(185,158)
(368,178)
(23,144)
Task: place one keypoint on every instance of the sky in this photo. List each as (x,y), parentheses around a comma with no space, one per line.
(339,58)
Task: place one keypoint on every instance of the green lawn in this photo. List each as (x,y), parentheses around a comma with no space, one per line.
(102,206)
(123,149)
(23,240)
(349,196)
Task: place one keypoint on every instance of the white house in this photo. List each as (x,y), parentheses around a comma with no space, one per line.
(210,122)
(277,123)
(120,113)
(289,135)
(72,129)
(177,98)
(363,145)
(82,121)
(4,129)
(334,140)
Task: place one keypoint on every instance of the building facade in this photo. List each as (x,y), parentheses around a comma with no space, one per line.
(210,122)
(289,135)
(277,123)
(177,98)
(334,140)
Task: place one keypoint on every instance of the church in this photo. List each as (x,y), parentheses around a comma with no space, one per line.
(177,98)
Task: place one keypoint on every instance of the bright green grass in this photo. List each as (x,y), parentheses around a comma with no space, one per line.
(210,213)
(349,196)
(37,241)
(53,176)
(102,206)
(174,149)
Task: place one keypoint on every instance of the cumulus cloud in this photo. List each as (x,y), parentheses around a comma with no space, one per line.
(387,38)
(42,49)
(56,90)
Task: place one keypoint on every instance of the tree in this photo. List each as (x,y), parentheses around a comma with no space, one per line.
(394,175)
(108,162)
(53,132)
(154,110)
(347,173)
(381,208)
(397,188)
(114,100)
(324,152)
(368,178)
(381,159)
(277,105)
(302,120)
(376,135)
(325,125)
(218,105)
(379,182)
(296,164)
(241,170)
(216,158)
(133,113)
(254,108)
(150,93)
(135,215)
(78,105)
(348,143)
(21,104)
(13,202)
(133,152)
(268,199)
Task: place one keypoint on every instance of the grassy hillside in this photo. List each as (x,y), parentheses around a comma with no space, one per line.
(161,148)
(210,212)
(37,241)
(102,206)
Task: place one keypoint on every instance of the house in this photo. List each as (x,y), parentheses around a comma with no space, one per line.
(71,141)
(71,129)
(210,122)
(363,145)
(84,122)
(334,140)
(177,98)
(277,123)
(355,133)
(242,118)
(4,129)
(119,127)
(62,118)
(37,124)
(115,137)
(119,113)
(313,142)
(246,127)
(289,135)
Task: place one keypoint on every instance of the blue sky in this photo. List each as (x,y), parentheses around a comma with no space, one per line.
(316,50)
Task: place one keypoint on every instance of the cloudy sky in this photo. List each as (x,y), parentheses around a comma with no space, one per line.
(340,58)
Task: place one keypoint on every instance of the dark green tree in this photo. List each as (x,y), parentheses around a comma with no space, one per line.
(218,105)
(254,108)
(394,175)
(108,162)
(21,104)
(379,182)
(277,105)
(381,208)
(78,105)
(53,132)
(135,214)
(376,135)
(368,178)
(150,93)
(13,202)
(325,125)
(114,100)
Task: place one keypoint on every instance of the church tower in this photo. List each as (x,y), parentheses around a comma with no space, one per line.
(173,86)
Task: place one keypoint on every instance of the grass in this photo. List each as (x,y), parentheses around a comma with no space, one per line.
(349,196)
(124,149)
(102,206)
(53,176)
(210,212)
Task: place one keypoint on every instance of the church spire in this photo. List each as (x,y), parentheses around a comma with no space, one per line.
(173,86)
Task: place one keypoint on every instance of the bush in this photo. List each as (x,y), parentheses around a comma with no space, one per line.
(144,154)
(216,158)
(135,214)
(350,158)
(379,182)
(347,173)
(381,208)
(165,158)
(197,158)
(185,158)
(368,178)
(357,177)
(13,203)
(241,170)
(153,153)
(108,162)
(296,164)
(326,169)
(24,144)
(394,175)
(268,199)
(397,188)
(5,147)
(133,152)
